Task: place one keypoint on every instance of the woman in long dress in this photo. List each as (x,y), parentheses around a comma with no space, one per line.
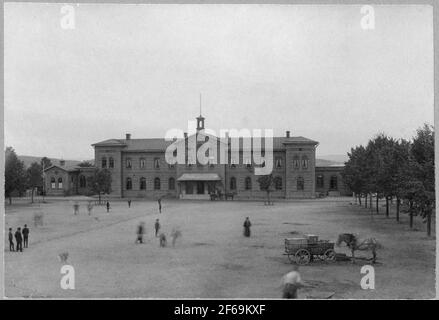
(247,225)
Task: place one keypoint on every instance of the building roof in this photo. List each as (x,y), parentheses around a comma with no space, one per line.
(69,168)
(199,177)
(160,144)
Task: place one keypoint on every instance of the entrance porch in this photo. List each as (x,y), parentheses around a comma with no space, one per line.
(198,186)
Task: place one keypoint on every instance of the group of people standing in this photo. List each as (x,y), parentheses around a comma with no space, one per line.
(21,238)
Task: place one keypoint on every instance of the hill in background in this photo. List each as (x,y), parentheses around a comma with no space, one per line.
(28,160)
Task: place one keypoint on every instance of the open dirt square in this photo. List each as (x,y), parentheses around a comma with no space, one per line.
(212,259)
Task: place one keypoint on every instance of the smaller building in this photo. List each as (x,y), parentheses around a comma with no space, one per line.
(329,181)
(62,180)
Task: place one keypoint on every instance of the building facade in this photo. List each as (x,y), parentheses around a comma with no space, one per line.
(139,168)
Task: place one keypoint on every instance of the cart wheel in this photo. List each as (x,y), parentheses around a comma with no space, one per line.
(329,255)
(303,256)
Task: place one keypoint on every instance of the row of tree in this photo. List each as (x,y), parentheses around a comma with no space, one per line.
(398,169)
(18,178)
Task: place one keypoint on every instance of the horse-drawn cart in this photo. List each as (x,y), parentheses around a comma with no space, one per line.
(304,250)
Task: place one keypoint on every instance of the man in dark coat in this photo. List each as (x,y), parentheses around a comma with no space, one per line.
(25,233)
(247,225)
(129,203)
(157,227)
(11,240)
(19,240)
(160,204)
(108,206)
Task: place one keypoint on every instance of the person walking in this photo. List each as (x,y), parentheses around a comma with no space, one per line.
(129,203)
(247,225)
(157,227)
(108,206)
(25,233)
(19,240)
(11,240)
(291,283)
(89,208)
(140,232)
(160,204)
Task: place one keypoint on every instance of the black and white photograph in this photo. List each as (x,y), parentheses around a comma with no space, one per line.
(219,151)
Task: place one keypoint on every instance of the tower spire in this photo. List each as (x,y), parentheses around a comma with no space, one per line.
(200,119)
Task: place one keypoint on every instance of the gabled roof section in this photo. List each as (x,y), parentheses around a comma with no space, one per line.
(110,143)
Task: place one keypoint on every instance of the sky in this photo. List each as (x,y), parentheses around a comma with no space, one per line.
(140,69)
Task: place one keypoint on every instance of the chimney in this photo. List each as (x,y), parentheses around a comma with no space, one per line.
(62,163)
(185,135)
(128,136)
(288,134)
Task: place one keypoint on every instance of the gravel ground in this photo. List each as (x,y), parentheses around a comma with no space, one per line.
(212,259)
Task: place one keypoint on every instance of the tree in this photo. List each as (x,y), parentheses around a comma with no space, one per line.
(85,164)
(34,177)
(45,163)
(15,178)
(422,164)
(100,182)
(266,183)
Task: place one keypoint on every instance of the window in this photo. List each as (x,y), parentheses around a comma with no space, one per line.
(300,184)
(60,183)
(104,162)
(111,162)
(82,181)
(156,163)
(129,164)
(52,183)
(278,163)
(248,183)
(320,181)
(333,184)
(142,163)
(278,183)
(305,162)
(233,183)
(296,163)
(129,184)
(171,184)
(142,183)
(157,184)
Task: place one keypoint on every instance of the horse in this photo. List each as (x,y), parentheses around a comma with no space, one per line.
(355,244)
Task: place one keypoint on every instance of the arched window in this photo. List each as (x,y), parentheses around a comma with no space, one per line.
(129,164)
(104,162)
(278,183)
(157,184)
(82,181)
(232,183)
(111,162)
(305,162)
(278,163)
(156,163)
(52,183)
(333,184)
(296,163)
(248,183)
(320,181)
(171,184)
(142,163)
(300,184)
(142,183)
(129,184)
(59,183)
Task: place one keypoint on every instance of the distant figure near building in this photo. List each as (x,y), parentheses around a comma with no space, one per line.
(176,233)
(19,240)
(108,206)
(75,208)
(157,227)
(129,203)
(140,232)
(247,225)
(160,204)
(25,233)
(11,240)
(291,283)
